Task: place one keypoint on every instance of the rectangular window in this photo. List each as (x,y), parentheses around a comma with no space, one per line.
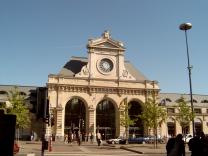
(170,110)
(197,110)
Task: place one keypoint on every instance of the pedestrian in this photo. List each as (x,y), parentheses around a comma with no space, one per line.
(65,138)
(79,138)
(195,145)
(98,138)
(170,144)
(133,136)
(204,144)
(91,137)
(72,137)
(176,146)
(31,137)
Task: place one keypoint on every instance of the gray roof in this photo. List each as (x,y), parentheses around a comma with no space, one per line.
(75,64)
(24,89)
(171,98)
(134,72)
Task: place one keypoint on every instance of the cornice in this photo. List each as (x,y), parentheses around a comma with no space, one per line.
(100,79)
(104,90)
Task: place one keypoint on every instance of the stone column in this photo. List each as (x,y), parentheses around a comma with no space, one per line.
(92,120)
(59,124)
(122,129)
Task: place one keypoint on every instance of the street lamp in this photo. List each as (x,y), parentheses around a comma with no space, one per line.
(185,27)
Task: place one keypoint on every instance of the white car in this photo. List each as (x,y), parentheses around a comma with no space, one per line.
(114,141)
(187,137)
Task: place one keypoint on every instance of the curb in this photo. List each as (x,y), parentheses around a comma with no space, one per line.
(139,152)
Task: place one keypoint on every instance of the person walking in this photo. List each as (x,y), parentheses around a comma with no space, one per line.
(98,138)
(170,145)
(79,136)
(91,138)
(199,145)
(195,145)
(204,144)
(176,146)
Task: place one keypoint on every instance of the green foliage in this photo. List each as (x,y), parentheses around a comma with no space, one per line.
(153,115)
(184,116)
(2,105)
(125,120)
(18,108)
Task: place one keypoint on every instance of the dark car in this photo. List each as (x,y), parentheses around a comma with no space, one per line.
(138,140)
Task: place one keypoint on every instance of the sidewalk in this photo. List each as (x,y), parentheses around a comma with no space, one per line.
(35,147)
(146,148)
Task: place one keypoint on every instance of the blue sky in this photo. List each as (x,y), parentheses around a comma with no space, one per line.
(37,37)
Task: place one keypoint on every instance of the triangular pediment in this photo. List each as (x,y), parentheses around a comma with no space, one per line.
(106,42)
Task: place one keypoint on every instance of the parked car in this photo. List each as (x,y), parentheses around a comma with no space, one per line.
(118,140)
(187,137)
(138,140)
(152,139)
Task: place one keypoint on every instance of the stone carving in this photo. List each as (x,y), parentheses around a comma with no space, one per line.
(125,73)
(91,107)
(85,70)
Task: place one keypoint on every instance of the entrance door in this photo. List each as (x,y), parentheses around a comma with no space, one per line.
(75,116)
(137,129)
(105,119)
(198,126)
(171,128)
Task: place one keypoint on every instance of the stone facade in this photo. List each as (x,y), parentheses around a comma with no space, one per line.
(103,75)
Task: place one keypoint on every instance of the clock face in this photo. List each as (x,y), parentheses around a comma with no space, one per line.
(106,65)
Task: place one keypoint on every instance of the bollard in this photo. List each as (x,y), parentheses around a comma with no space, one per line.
(50,144)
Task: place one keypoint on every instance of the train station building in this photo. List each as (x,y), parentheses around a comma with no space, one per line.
(89,93)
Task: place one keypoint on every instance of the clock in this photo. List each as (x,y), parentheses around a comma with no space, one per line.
(106,65)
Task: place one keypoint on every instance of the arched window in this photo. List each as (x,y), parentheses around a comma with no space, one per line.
(135,109)
(75,116)
(204,101)
(2,92)
(168,100)
(22,93)
(105,119)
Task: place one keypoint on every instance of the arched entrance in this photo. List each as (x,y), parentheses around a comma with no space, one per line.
(137,129)
(75,116)
(198,125)
(171,127)
(105,119)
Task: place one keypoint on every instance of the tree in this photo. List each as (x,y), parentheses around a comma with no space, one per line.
(17,107)
(153,115)
(184,116)
(125,120)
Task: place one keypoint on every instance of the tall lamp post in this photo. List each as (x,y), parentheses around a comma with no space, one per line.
(185,27)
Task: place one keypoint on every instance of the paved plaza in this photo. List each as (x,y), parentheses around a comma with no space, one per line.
(87,149)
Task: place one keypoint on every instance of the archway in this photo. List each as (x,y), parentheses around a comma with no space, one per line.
(75,116)
(198,125)
(171,127)
(137,129)
(105,119)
